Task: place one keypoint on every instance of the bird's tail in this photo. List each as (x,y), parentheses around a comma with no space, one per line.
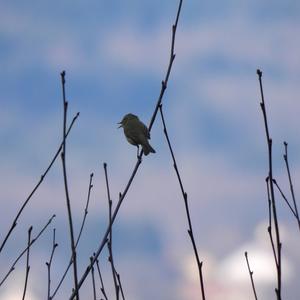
(147,148)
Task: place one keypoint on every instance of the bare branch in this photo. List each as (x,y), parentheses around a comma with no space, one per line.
(101,280)
(93,280)
(78,237)
(185,198)
(24,251)
(86,208)
(251,275)
(285,199)
(48,264)
(109,243)
(37,185)
(171,60)
(269,229)
(27,262)
(272,195)
(269,202)
(285,156)
(120,284)
(122,196)
(68,202)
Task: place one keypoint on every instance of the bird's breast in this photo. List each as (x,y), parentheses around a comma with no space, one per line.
(131,141)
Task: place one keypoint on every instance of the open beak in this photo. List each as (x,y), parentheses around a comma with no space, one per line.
(120,125)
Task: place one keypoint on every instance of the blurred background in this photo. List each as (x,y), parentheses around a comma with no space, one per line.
(115,54)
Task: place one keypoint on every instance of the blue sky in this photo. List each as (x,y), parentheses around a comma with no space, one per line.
(115,55)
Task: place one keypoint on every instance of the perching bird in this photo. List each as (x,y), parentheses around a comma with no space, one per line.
(136,133)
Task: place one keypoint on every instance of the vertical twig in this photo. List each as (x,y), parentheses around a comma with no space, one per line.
(109,243)
(48,264)
(63,157)
(185,197)
(272,195)
(24,251)
(14,224)
(27,262)
(93,281)
(101,280)
(164,83)
(270,222)
(285,156)
(120,284)
(85,209)
(251,275)
(121,198)
(78,237)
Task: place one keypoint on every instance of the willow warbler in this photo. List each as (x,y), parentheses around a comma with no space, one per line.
(136,132)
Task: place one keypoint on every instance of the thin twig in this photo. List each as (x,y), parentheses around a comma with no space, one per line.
(121,198)
(109,243)
(86,208)
(185,197)
(48,264)
(164,83)
(68,202)
(37,185)
(285,156)
(24,251)
(269,202)
(275,219)
(120,284)
(78,237)
(270,222)
(285,198)
(93,281)
(251,275)
(101,280)
(104,239)
(27,262)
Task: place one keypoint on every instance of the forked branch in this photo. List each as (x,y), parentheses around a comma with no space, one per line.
(32,241)
(14,224)
(185,198)
(49,263)
(139,160)
(277,253)
(78,237)
(101,280)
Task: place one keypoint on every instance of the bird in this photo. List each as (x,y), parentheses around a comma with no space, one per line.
(136,133)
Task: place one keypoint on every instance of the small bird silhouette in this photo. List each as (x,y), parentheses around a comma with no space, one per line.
(136,133)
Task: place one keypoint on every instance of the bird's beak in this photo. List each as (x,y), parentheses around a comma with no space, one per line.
(120,125)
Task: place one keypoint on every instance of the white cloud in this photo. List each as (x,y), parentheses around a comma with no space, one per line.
(228,278)
(13,289)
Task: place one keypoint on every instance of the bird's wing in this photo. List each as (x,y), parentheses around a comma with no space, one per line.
(137,132)
(145,130)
